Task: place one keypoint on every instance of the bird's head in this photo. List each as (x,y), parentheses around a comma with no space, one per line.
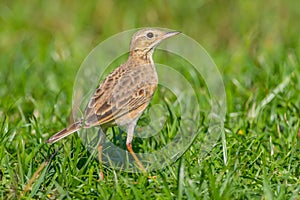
(145,40)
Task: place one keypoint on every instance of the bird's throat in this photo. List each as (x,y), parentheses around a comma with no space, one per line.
(144,56)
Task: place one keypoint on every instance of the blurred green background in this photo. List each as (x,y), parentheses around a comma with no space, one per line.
(255,44)
(46,41)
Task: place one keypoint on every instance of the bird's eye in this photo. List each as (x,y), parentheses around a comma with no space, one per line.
(150,35)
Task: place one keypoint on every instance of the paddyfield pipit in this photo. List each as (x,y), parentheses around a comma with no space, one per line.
(125,93)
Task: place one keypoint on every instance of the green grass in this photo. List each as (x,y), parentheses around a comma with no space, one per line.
(256,47)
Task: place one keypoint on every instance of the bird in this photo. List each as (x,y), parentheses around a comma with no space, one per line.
(125,93)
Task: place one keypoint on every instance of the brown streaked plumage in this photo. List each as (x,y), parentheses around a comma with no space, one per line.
(125,93)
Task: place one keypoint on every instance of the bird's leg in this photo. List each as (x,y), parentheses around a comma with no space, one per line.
(130,131)
(101,175)
(100,146)
(142,168)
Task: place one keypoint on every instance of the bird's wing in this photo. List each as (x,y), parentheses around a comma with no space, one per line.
(99,106)
(120,93)
(134,103)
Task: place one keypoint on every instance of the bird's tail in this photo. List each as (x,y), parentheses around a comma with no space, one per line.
(65,132)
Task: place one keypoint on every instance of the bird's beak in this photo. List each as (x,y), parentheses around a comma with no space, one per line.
(170,34)
(163,37)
